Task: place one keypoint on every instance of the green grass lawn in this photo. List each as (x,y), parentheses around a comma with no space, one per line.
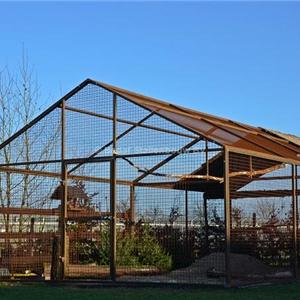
(41,292)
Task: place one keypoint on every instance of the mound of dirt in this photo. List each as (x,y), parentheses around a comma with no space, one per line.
(241,265)
(212,267)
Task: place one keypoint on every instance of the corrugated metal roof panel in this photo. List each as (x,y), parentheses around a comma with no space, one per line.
(288,137)
(223,131)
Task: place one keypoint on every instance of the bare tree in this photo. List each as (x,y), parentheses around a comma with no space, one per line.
(153,215)
(270,212)
(198,213)
(8,110)
(19,94)
(237,213)
(123,206)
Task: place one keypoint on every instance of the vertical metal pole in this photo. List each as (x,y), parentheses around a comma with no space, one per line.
(65,216)
(227,213)
(205,200)
(295,218)
(64,201)
(113,184)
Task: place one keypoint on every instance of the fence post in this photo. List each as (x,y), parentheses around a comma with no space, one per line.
(64,201)
(227,214)
(113,184)
(295,219)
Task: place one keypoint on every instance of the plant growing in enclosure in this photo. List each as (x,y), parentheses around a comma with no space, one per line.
(138,249)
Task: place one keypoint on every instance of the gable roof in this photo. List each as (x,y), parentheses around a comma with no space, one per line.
(236,136)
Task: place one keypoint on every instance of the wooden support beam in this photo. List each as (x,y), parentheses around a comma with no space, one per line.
(130,122)
(295,218)
(26,235)
(29,211)
(58,175)
(72,215)
(64,200)
(253,173)
(104,159)
(113,195)
(227,214)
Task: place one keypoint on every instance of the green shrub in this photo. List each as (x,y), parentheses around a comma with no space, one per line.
(150,252)
(137,249)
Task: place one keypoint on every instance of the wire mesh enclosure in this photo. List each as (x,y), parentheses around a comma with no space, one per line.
(111,185)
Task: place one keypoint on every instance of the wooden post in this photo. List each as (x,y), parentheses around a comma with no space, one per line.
(113,184)
(227,214)
(205,199)
(295,219)
(64,182)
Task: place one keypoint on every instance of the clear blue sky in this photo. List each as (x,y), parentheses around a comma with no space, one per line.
(238,60)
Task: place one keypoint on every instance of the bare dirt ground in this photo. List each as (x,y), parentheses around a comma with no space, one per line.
(242,266)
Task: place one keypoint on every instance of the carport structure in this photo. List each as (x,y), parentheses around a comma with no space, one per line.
(104,166)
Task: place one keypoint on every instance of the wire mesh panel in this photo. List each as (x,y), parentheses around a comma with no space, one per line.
(103,187)
(162,235)
(29,220)
(261,218)
(88,123)
(40,142)
(88,222)
(92,99)
(169,195)
(167,234)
